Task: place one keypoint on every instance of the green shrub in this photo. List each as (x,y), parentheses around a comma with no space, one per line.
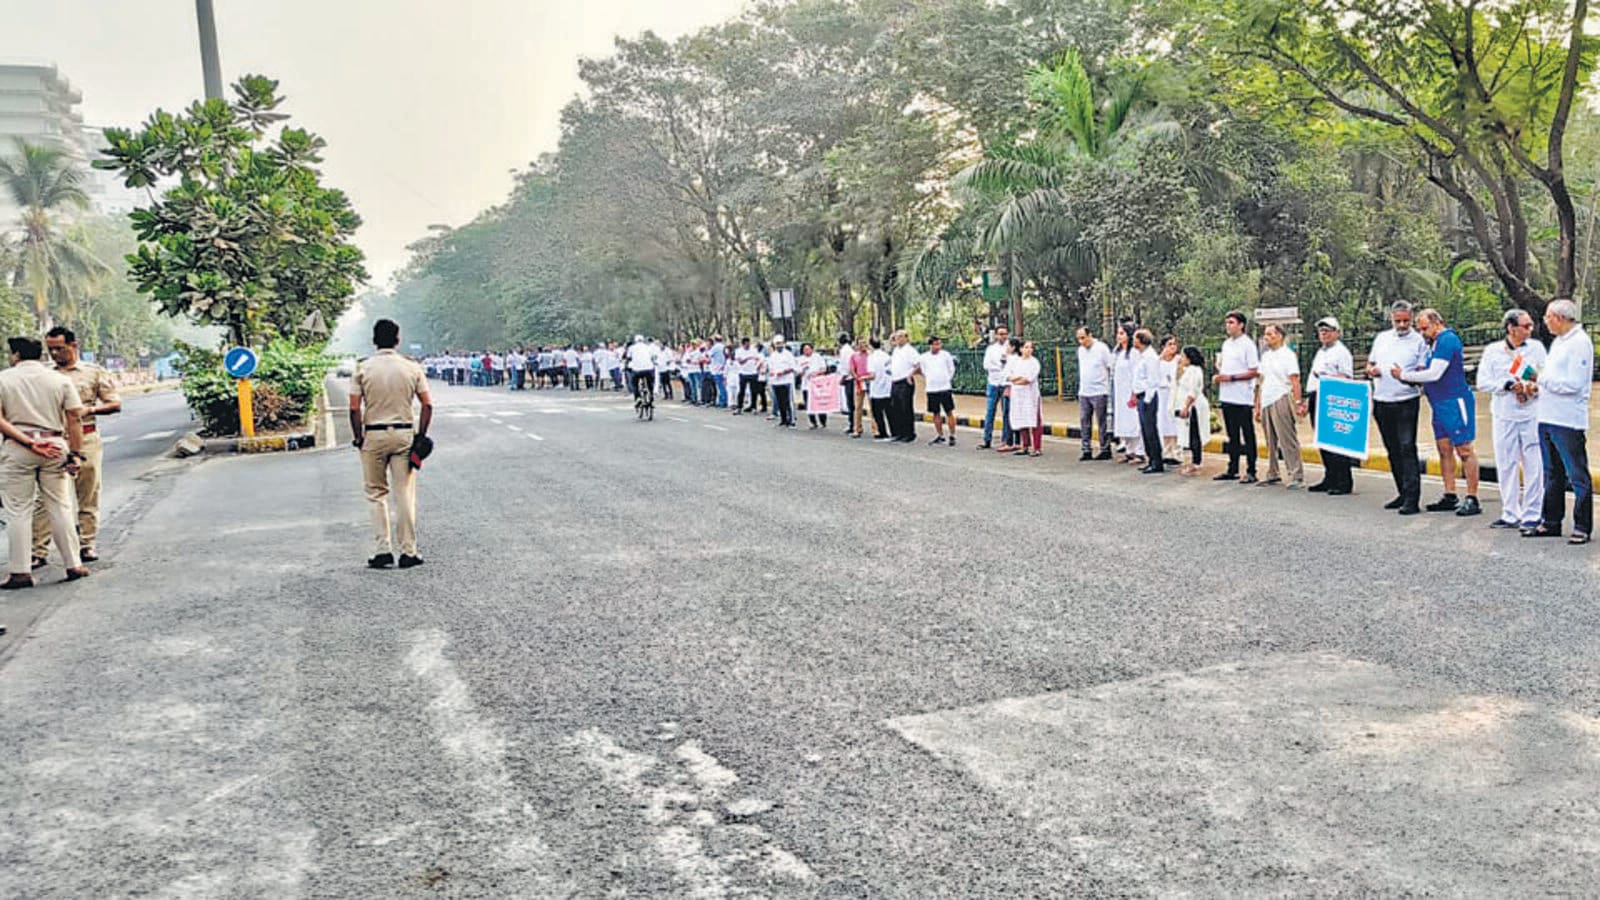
(287,384)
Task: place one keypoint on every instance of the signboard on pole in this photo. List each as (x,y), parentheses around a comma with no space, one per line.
(240,362)
(1278,315)
(1344,416)
(782,303)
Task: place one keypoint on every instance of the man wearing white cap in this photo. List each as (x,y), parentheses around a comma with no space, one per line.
(1333,360)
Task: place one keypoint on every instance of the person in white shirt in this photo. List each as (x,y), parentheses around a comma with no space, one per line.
(1395,404)
(1507,372)
(1125,411)
(1094,392)
(994,367)
(1022,374)
(1333,360)
(1190,405)
(570,357)
(1276,406)
(748,360)
(938,382)
(847,380)
(1166,423)
(515,362)
(1238,365)
(902,398)
(1563,389)
(586,368)
(1146,397)
(641,365)
(781,367)
(666,369)
(879,389)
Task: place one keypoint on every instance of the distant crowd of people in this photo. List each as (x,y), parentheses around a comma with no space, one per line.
(1148,399)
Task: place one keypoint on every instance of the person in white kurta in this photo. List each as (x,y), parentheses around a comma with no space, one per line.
(1166,422)
(1022,375)
(1124,418)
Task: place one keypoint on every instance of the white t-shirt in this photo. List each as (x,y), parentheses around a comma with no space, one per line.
(994,362)
(1390,349)
(1332,361)
(878,368)
(1237,357)
(1094,370)
(902,363)
(779,363)
(939,369)
(641,358)
(749,360)
(1277,367)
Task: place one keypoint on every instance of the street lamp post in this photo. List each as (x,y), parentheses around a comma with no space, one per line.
(210,62)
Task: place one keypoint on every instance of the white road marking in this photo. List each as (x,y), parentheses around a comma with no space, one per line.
(110,439)
(710,857)
(496,422)
(156,435)
(514,427)
(552,412)
(677,419)
(714,427)
(478,750)
(534,437)
(510,413)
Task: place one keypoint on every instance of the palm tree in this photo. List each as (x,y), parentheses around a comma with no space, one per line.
(1024,190)
(50,264)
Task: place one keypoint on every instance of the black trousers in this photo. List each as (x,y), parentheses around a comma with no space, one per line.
(783,399)
(1337,466)
(761,392)
(1194,437)
(747,387)
(902,420)
(1152,432)
(1397,423)
(1239,420)
(880,414)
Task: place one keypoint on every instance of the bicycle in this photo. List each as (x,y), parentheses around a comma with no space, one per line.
(644,399)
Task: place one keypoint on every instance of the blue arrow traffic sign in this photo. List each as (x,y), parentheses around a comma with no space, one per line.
(240,362)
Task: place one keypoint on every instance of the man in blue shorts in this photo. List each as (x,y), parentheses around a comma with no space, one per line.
(1455,411)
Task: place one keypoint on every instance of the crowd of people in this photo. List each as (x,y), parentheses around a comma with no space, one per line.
(1147,399)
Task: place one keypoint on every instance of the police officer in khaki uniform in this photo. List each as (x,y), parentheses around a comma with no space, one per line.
(43,408)
(382,418)
(99,395)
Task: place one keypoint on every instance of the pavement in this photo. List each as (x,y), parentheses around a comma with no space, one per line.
(705,657)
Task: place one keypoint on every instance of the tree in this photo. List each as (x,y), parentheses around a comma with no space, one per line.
(50,265)
(1481,93)
(248,238)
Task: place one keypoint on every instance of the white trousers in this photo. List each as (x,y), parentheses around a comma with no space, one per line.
(1520,468)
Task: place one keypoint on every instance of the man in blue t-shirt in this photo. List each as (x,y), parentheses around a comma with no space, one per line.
(1455,411)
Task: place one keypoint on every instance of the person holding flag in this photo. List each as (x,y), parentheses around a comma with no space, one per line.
(1508,373)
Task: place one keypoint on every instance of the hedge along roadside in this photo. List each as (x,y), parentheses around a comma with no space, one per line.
(287,384)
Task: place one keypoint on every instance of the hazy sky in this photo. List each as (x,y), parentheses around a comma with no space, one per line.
(427,105)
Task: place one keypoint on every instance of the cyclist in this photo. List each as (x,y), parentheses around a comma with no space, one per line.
(641,358)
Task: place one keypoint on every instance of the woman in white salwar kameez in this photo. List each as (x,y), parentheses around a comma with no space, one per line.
(1125,418)
(1166,422)
(1190,407)
(1027,418)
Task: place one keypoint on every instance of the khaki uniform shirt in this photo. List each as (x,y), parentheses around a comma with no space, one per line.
(388,383)
(95,387)
(34,397)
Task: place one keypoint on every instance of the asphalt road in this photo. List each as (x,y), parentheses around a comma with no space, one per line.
(702,657)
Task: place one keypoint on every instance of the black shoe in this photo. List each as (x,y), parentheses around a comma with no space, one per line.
(1447,503)
(1152,470)
(1502,523)
(1320,487)
(1537,531)
(1248,479)
(88,555)
(1470,507)
(984,446)
(1225,476)
(882,439)
(937,440)
(1086,456)
(409,562)
(1169,461)
(38,563)
(1410,509)
(381,561)
(1338,492)
(1396,503)
(17,583)
(1103,455)
(950,443)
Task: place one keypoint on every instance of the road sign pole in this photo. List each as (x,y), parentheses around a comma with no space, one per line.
(247,409)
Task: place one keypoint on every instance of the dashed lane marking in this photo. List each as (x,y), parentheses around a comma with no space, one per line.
(110,438)
(714,427)
(496,422)
(514,427)
(156,435)
(534,437)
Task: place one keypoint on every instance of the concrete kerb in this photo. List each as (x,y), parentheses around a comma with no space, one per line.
(321,435)
(1378,461)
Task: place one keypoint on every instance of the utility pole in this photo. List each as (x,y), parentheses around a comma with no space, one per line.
(209,60)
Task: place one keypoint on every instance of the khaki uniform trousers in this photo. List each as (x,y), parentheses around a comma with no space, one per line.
(1283,436)
(87,485)
(29,481)
(386,468)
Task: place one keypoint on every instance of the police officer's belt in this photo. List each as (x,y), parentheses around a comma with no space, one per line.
(395,426)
